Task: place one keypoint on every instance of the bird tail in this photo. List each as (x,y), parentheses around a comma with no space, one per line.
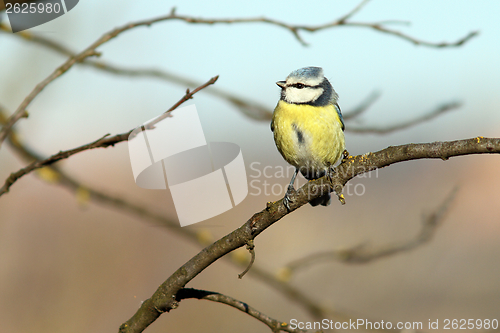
(323,200)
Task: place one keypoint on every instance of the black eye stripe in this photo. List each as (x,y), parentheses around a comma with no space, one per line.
(302,85)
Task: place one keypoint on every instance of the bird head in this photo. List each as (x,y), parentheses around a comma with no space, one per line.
(307,86)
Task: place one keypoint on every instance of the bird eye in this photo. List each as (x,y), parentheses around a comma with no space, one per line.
(299,85)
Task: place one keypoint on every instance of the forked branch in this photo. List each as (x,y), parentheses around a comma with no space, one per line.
(273,324)
(163,300)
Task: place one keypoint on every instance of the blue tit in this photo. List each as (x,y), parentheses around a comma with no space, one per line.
(308,127)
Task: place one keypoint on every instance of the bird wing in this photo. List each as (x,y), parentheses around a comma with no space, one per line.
(339,112)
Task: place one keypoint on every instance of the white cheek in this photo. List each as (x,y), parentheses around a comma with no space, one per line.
(294,95)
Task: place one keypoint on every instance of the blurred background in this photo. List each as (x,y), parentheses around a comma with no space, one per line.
(72,263)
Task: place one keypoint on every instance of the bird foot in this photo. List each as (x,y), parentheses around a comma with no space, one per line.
(286,200)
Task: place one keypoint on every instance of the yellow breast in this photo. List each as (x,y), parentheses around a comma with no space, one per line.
(308,136)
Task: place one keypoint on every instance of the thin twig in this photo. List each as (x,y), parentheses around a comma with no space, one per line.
(251,249)
(315,308)
(54,158)
(273,324)
(189,94)
(21,110)
(294,29)
(102,142)
(353,11)
(363,253)
(381,28)
(412,122)
(362,107)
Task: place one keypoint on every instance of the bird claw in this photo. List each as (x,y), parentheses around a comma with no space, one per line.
(345,156)
(286,200)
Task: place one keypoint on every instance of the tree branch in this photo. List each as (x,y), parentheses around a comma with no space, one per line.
(343,21)
(89,51)
(412,122)
(362,107)
(363,254)
(250,108)
(278,282)
(312,306)
(353,11)
(294,29)
(102,142)
(379,26)
(103,198)
(21,110)
(273,324)
(163,300)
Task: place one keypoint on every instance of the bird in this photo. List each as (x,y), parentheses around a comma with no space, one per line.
(308,127)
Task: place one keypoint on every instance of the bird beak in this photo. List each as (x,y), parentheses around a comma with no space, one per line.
(281,84)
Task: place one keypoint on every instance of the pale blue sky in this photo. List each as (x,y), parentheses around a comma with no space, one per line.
(250,58)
